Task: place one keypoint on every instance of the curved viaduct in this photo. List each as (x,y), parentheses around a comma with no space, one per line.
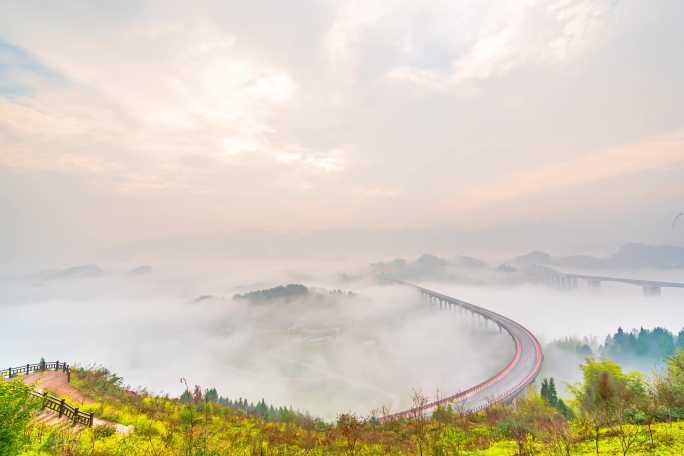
(520,371)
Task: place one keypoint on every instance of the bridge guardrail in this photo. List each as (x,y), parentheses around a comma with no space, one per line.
(504,323)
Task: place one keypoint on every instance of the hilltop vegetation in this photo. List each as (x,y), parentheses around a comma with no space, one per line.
(287,292)
(260,409)
(612,412)
(657,344)
(634,346)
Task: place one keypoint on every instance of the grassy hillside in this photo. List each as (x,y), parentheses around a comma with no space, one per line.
(626,414)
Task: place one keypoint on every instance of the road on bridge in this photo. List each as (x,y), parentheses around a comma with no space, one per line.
(520,371)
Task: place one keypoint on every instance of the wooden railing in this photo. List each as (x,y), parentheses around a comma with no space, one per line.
(63,409)
(49,401)
(27,369)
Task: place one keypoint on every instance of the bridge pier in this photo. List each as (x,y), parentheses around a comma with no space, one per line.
(567,281)
(594,284)
(477,320)
(561,282)
(650,290)
(564,282)
(481,318)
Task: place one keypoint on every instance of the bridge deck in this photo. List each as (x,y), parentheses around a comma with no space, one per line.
(512,379)
(640,282)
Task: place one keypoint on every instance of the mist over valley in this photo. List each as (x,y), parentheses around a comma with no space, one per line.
(342,340)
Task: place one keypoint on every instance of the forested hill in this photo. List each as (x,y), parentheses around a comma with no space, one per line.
(291,292)
(287,292)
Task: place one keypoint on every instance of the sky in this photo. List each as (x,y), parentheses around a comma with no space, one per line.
(338,126)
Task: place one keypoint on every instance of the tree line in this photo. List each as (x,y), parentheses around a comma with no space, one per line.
(261,409)
(656,344)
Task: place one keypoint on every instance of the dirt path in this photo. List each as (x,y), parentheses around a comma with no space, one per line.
(57,383)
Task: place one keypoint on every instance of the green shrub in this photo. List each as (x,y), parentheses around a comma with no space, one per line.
(103,431)
(17,406)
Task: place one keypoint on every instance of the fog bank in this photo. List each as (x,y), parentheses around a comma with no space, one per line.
(325,353)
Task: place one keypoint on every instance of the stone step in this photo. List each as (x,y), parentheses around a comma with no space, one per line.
(52,419)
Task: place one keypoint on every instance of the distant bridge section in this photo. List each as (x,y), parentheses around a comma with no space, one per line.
(569,281)
(521,370)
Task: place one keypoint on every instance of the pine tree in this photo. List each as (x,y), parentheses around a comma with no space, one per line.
(550,395)
(545,390)
(211,395)
(553,394)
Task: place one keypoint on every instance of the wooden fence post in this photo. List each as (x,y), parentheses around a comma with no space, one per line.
(45,398)
(75,420)
(61,408)
(90,422)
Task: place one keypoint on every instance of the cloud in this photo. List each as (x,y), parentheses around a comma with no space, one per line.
(513,35)
(146,110)
(619,162)
(329,162)
(227,116)
(291,353)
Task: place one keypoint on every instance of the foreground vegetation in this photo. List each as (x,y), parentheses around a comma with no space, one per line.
(612,412)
